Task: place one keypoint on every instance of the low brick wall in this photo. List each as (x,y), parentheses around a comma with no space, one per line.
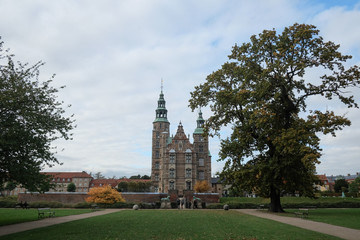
(208,197)
(66,198)
(143,197)
(76,197)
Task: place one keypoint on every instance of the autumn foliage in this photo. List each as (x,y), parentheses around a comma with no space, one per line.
(202,186)
(105,194)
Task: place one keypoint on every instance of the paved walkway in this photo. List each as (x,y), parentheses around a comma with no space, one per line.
(20,227)
(341,232)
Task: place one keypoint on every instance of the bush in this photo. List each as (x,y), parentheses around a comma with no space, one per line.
(215,206)
(148,206)
(42,204)
(82,205)
(8,202)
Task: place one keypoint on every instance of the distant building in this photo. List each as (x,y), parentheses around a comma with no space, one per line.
(114,182)
(177,164)
(62,180)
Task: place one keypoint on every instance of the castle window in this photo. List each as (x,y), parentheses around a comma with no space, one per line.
(201,175)
(188,173)
(201,162)
(172,173)
(172,158)
(188,185)
(172,185)
(156,189)
(157,143)
(157,165)
(157,154)
(156,177)
(188,158)
(201,148)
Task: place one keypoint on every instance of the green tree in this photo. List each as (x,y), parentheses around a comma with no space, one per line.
(71,187)
(98,175)
(341,185)
(355,185)
(136,177)
(123,186)
(262,93)
(31,118)
(9,186)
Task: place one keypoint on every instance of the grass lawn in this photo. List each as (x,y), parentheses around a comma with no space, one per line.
(348,217)
(289,200)
(11,216)
(171,224)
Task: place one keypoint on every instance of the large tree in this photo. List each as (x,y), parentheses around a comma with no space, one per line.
(262,92)
(31,118)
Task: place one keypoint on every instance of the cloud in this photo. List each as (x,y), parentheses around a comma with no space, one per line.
(111,55)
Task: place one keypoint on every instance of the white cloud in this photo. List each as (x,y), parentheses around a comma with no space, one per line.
(111,55)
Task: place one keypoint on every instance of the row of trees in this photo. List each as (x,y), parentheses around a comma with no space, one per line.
(341,185)
(134,186)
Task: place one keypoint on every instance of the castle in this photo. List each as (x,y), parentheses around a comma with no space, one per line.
(177,164)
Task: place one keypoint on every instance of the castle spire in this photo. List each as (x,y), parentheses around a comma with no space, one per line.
(199,124)
(161,111)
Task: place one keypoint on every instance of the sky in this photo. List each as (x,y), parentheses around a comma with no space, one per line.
(112,55)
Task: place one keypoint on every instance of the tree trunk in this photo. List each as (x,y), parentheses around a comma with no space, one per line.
(275,204)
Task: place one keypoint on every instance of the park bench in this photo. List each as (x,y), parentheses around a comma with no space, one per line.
(261,207)
(302,212)
(45,212)
(94,206)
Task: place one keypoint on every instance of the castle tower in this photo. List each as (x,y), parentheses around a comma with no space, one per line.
(160,135)
(201,146)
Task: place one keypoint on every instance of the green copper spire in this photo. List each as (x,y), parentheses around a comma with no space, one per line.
(200,124)
(161,112)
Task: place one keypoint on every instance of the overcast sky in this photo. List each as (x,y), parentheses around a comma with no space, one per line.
(112,55)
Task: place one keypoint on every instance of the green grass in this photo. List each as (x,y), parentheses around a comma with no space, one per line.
(349,217)
(289,200)
(12,216)
(171,224)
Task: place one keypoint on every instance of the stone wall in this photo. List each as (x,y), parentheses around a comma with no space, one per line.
(72,198)
(66,198)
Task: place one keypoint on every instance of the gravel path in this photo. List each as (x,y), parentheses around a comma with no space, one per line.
(20,227)
(341,232)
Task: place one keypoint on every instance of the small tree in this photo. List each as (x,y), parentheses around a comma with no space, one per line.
(71,187)
(201,186)
(99,175)
(341,185)
(10,186)
(135,177)
(105,194)
(355,185)
(123,186)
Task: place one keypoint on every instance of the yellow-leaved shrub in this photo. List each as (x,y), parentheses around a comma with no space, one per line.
(201,186)
(105,194)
